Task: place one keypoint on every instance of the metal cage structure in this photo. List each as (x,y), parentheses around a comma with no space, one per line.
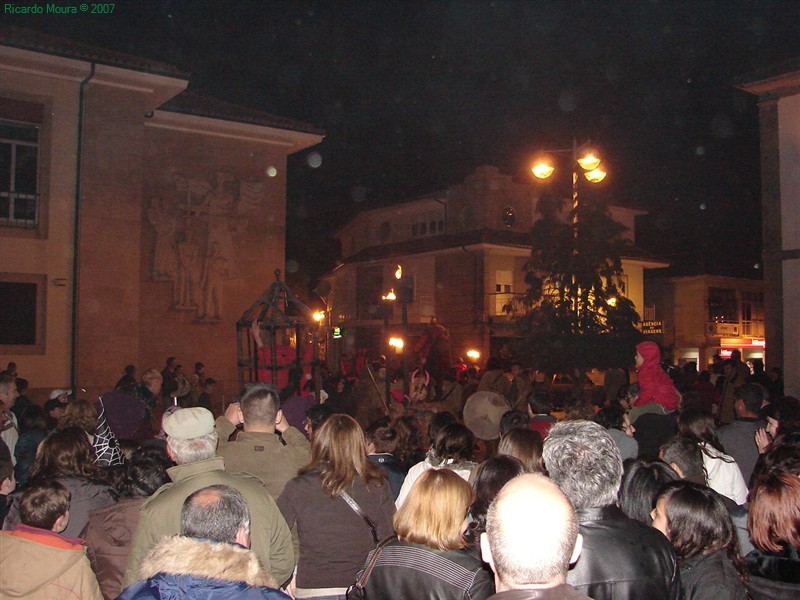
(290,338)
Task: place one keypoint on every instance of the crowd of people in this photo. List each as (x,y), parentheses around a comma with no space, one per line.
(678,485)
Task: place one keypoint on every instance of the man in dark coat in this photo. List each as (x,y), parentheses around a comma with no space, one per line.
(211,558)
(621,557)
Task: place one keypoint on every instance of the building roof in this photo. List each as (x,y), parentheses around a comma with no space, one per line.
(28,39)
(186,102)
(191,103)
(777,79)
(497,237)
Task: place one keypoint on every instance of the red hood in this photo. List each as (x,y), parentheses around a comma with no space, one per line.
(650,352)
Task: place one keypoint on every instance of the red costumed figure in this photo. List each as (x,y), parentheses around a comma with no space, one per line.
(654,383)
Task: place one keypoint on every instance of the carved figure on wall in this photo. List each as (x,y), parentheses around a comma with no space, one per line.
(195,237)
(164,224)
(186,282)
(215,272)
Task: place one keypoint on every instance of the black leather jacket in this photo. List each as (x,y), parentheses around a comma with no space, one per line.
(623,559)
(405,570)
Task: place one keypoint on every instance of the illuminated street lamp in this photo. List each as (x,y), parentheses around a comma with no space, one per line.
(583,156)
(473,355)
(319,316)
(397,344)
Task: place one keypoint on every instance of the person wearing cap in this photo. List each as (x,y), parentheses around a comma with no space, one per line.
(54,410)
(192,443)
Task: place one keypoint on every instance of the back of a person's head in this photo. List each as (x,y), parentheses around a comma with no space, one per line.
(491,476)
(146,472)
(64,453)
(640,485)
(686,454)
(530,547)
(524,445)
(454,442)
(317,415)
(751,395)
(215,513)
(339,454)
(33,419)
(540,401)
(260,404)
(699,425)
(382,435)
(697,520)
(611,417)
(434,510)
(152,376)
(42,503)
(493,364)
(512,419)
(774,511)
(81,414)
(585,462)
(437,421)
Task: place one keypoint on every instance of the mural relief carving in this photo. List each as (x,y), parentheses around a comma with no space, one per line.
(194,229)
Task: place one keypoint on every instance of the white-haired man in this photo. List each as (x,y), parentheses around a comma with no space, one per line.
(621,557)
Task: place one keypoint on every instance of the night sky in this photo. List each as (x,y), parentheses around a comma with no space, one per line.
(415,95)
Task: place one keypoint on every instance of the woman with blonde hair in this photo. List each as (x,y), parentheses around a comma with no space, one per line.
(430,558)
(322,501)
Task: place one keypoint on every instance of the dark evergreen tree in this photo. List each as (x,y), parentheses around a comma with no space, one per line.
(578,316)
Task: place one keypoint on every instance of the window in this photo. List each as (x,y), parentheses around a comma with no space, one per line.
(753,314)
(22,297)
(502,289)
(19,174)
(722,305)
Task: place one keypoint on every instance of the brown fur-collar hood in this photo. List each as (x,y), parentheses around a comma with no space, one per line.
(182,555)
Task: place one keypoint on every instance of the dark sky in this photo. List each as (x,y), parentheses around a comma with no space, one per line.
(415,95)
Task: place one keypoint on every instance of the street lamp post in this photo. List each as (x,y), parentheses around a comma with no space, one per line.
(584,159)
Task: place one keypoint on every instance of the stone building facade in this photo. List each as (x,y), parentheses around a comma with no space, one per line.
(137,220)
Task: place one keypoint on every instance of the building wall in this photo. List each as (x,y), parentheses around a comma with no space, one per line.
(48,251)
(682,304)
(460,282)
(789,120)
(247,244)
(112,172)
(181,224)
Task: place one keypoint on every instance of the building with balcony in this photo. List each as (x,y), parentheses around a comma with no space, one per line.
(464,249)
(704,315)
(137,220)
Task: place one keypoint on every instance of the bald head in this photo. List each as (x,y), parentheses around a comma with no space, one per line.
(531,532)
